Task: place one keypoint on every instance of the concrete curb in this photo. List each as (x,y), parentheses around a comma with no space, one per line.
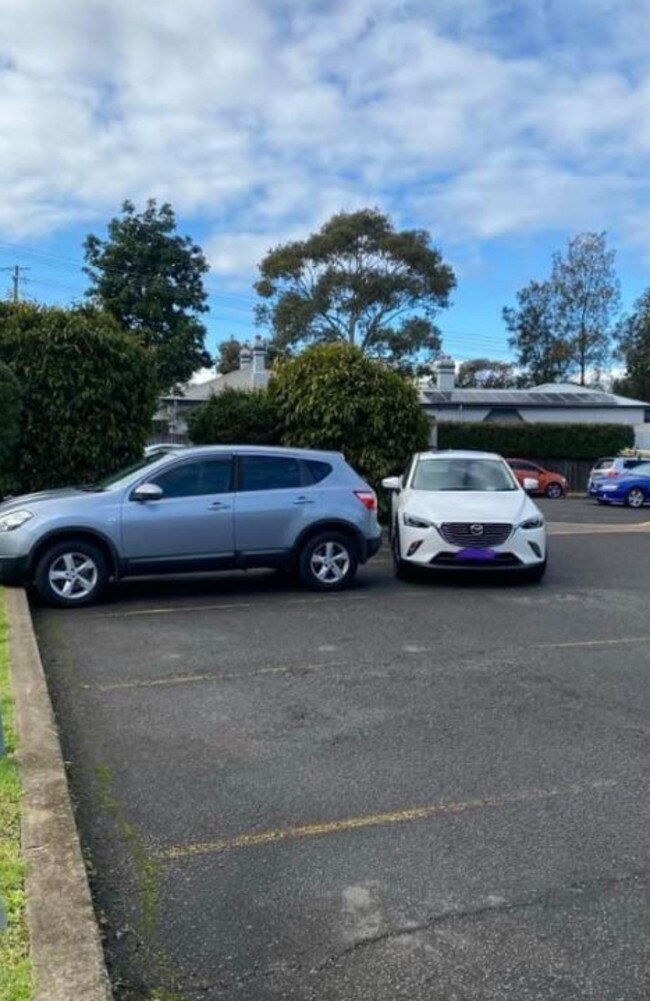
(65,945)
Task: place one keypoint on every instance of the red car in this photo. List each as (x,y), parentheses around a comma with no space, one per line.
(550,484)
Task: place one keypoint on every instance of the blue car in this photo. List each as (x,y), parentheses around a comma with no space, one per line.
(632,487)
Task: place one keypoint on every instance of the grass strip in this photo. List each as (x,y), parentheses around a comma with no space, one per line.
(15,969)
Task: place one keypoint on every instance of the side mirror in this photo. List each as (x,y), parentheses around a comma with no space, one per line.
(392,483)
(147,492)
(531,485)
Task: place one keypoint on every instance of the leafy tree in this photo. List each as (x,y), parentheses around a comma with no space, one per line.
(633,337)
(333,396)
(10,413)
(88,394)
(587,300)
(229,355)
(485,374)
(563,326)
(542,355)
(357,280)
(151,280)
(235,416)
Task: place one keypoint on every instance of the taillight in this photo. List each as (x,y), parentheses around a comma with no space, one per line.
(368,498)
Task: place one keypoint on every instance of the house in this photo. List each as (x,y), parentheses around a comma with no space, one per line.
(170,420)
(554,402)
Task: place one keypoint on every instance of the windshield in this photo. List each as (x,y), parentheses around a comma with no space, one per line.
(641,470)
(463,474)
(122,474)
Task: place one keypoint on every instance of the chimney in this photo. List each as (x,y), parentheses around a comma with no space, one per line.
(259,355)
(245,358)
(446,374)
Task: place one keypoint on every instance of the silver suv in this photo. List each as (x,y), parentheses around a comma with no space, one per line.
(201,509)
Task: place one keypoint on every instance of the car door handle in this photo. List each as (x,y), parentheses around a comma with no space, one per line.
(304,500)
(218,506)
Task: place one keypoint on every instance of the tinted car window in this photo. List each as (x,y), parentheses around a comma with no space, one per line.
(269,472)
(192,479)
(317,471)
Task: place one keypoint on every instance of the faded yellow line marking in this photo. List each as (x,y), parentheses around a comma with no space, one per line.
(409,815)
(580,643)
(189,679)
(226,607)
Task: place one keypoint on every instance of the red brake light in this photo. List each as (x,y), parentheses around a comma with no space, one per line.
(368,498)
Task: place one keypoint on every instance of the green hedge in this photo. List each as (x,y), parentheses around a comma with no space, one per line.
(88,394)
(235,416)
(538,441)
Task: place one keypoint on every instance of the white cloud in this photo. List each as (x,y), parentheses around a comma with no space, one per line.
(476,118)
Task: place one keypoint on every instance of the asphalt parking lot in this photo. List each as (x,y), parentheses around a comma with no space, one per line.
(435,790)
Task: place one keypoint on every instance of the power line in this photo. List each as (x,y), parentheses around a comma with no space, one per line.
(16,278)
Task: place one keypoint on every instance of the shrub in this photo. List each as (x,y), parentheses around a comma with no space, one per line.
(10,409)
(538,441)
(235,416)
(88,394)
(334,397)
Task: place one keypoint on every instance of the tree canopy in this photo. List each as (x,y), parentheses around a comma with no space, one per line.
(482,373)
(562,327)
(151,280)
(633,337)
(357,280)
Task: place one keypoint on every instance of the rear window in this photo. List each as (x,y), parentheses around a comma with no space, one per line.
(269,472)
(317,471)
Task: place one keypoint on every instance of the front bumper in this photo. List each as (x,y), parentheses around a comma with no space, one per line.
(14,570)
(426,548)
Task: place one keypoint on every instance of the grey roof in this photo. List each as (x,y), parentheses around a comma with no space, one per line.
(197,392)
(539,396)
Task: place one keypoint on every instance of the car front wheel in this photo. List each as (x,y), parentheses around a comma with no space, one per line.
(554,491)
(636,498)
(328,561)
(71,574)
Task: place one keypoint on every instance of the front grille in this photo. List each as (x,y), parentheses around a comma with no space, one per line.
(467,536)
(500,560)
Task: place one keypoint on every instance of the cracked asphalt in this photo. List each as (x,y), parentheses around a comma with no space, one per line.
(435,790)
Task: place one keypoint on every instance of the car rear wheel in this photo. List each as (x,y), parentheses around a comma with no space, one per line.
(328,561)
(636,497)
(71,574)
(554,490)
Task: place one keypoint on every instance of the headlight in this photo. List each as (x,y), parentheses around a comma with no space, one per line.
(10,522)
(531,523)
(609,486)
(414,522)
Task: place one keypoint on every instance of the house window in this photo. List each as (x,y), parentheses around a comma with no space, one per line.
(647,415)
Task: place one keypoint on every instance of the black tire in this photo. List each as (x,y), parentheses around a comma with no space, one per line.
(335,546)
(535,574)
(84,560)
(401,569)
(636,498)
(554,491)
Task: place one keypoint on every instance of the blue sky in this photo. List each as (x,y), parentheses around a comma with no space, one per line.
(501,126)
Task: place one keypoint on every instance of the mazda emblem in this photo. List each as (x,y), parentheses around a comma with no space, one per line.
(476,530)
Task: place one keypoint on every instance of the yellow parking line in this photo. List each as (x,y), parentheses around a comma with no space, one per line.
(578,643)
(225,607)
(189,679)
(329,827)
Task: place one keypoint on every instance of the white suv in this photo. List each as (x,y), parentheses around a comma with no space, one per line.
(465,511)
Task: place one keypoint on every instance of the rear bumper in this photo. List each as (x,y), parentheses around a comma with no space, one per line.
(370,548)
(14,570)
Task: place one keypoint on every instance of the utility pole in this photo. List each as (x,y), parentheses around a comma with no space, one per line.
(16,278)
